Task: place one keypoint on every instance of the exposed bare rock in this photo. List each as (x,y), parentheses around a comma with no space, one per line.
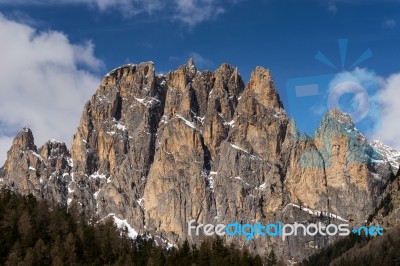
(114,146)
(387,213)
(161,150)
(43,173)
(249,179)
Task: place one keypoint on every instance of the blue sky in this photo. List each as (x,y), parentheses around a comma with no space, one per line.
(282,35)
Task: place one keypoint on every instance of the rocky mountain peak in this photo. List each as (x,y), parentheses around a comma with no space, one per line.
(56,154)
(157,151)
(24,140)
(42,172)
(262,86)
(340,116)
(337,123)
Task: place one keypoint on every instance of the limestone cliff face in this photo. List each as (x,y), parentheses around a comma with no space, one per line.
(340,167)
(161,150)
(249,174)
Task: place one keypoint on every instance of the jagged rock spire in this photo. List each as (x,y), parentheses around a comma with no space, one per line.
(24,140)
(191,66)
(262,85)
(191,63)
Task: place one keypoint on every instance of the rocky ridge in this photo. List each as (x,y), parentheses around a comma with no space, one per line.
(155,151)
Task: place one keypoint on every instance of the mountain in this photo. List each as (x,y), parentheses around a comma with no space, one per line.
(156,151)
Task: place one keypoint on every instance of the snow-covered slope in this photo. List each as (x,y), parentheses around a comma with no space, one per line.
(389,154)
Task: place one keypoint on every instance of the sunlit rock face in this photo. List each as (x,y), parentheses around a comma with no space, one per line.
(157,151)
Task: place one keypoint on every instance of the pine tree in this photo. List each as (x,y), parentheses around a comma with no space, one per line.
(204,254)
(25,228)
(271,259)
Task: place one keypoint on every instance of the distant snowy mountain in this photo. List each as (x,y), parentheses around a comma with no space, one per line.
(389,154)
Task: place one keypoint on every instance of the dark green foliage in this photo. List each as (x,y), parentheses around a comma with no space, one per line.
(211,252)
(271,259)
(34,233)
(355,250)
(386,205)
(326,255)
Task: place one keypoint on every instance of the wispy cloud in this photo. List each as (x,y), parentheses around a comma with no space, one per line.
(319,110)
(127,7)
(332,8)
(25,18)
(364,1)
(332,5)
(201,61)
(389,23)
(189,12)
(45,81)
(192,12)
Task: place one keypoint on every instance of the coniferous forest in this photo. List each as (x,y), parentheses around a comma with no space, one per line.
(360,251)
(34,233)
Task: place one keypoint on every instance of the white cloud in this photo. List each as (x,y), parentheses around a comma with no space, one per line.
(192,12)
(389,23)
(189,12)
(126,7)
(389,132)
(24,18)
(45,81)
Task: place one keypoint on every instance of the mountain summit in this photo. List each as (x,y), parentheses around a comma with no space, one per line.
(157,151)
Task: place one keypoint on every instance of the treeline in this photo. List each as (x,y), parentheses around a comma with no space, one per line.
(330,253)
(35,233)
(361,251)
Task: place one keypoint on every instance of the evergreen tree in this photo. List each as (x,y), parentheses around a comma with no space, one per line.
(204,254)
(271,259)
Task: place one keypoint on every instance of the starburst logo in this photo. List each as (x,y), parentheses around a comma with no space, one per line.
(343,44)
